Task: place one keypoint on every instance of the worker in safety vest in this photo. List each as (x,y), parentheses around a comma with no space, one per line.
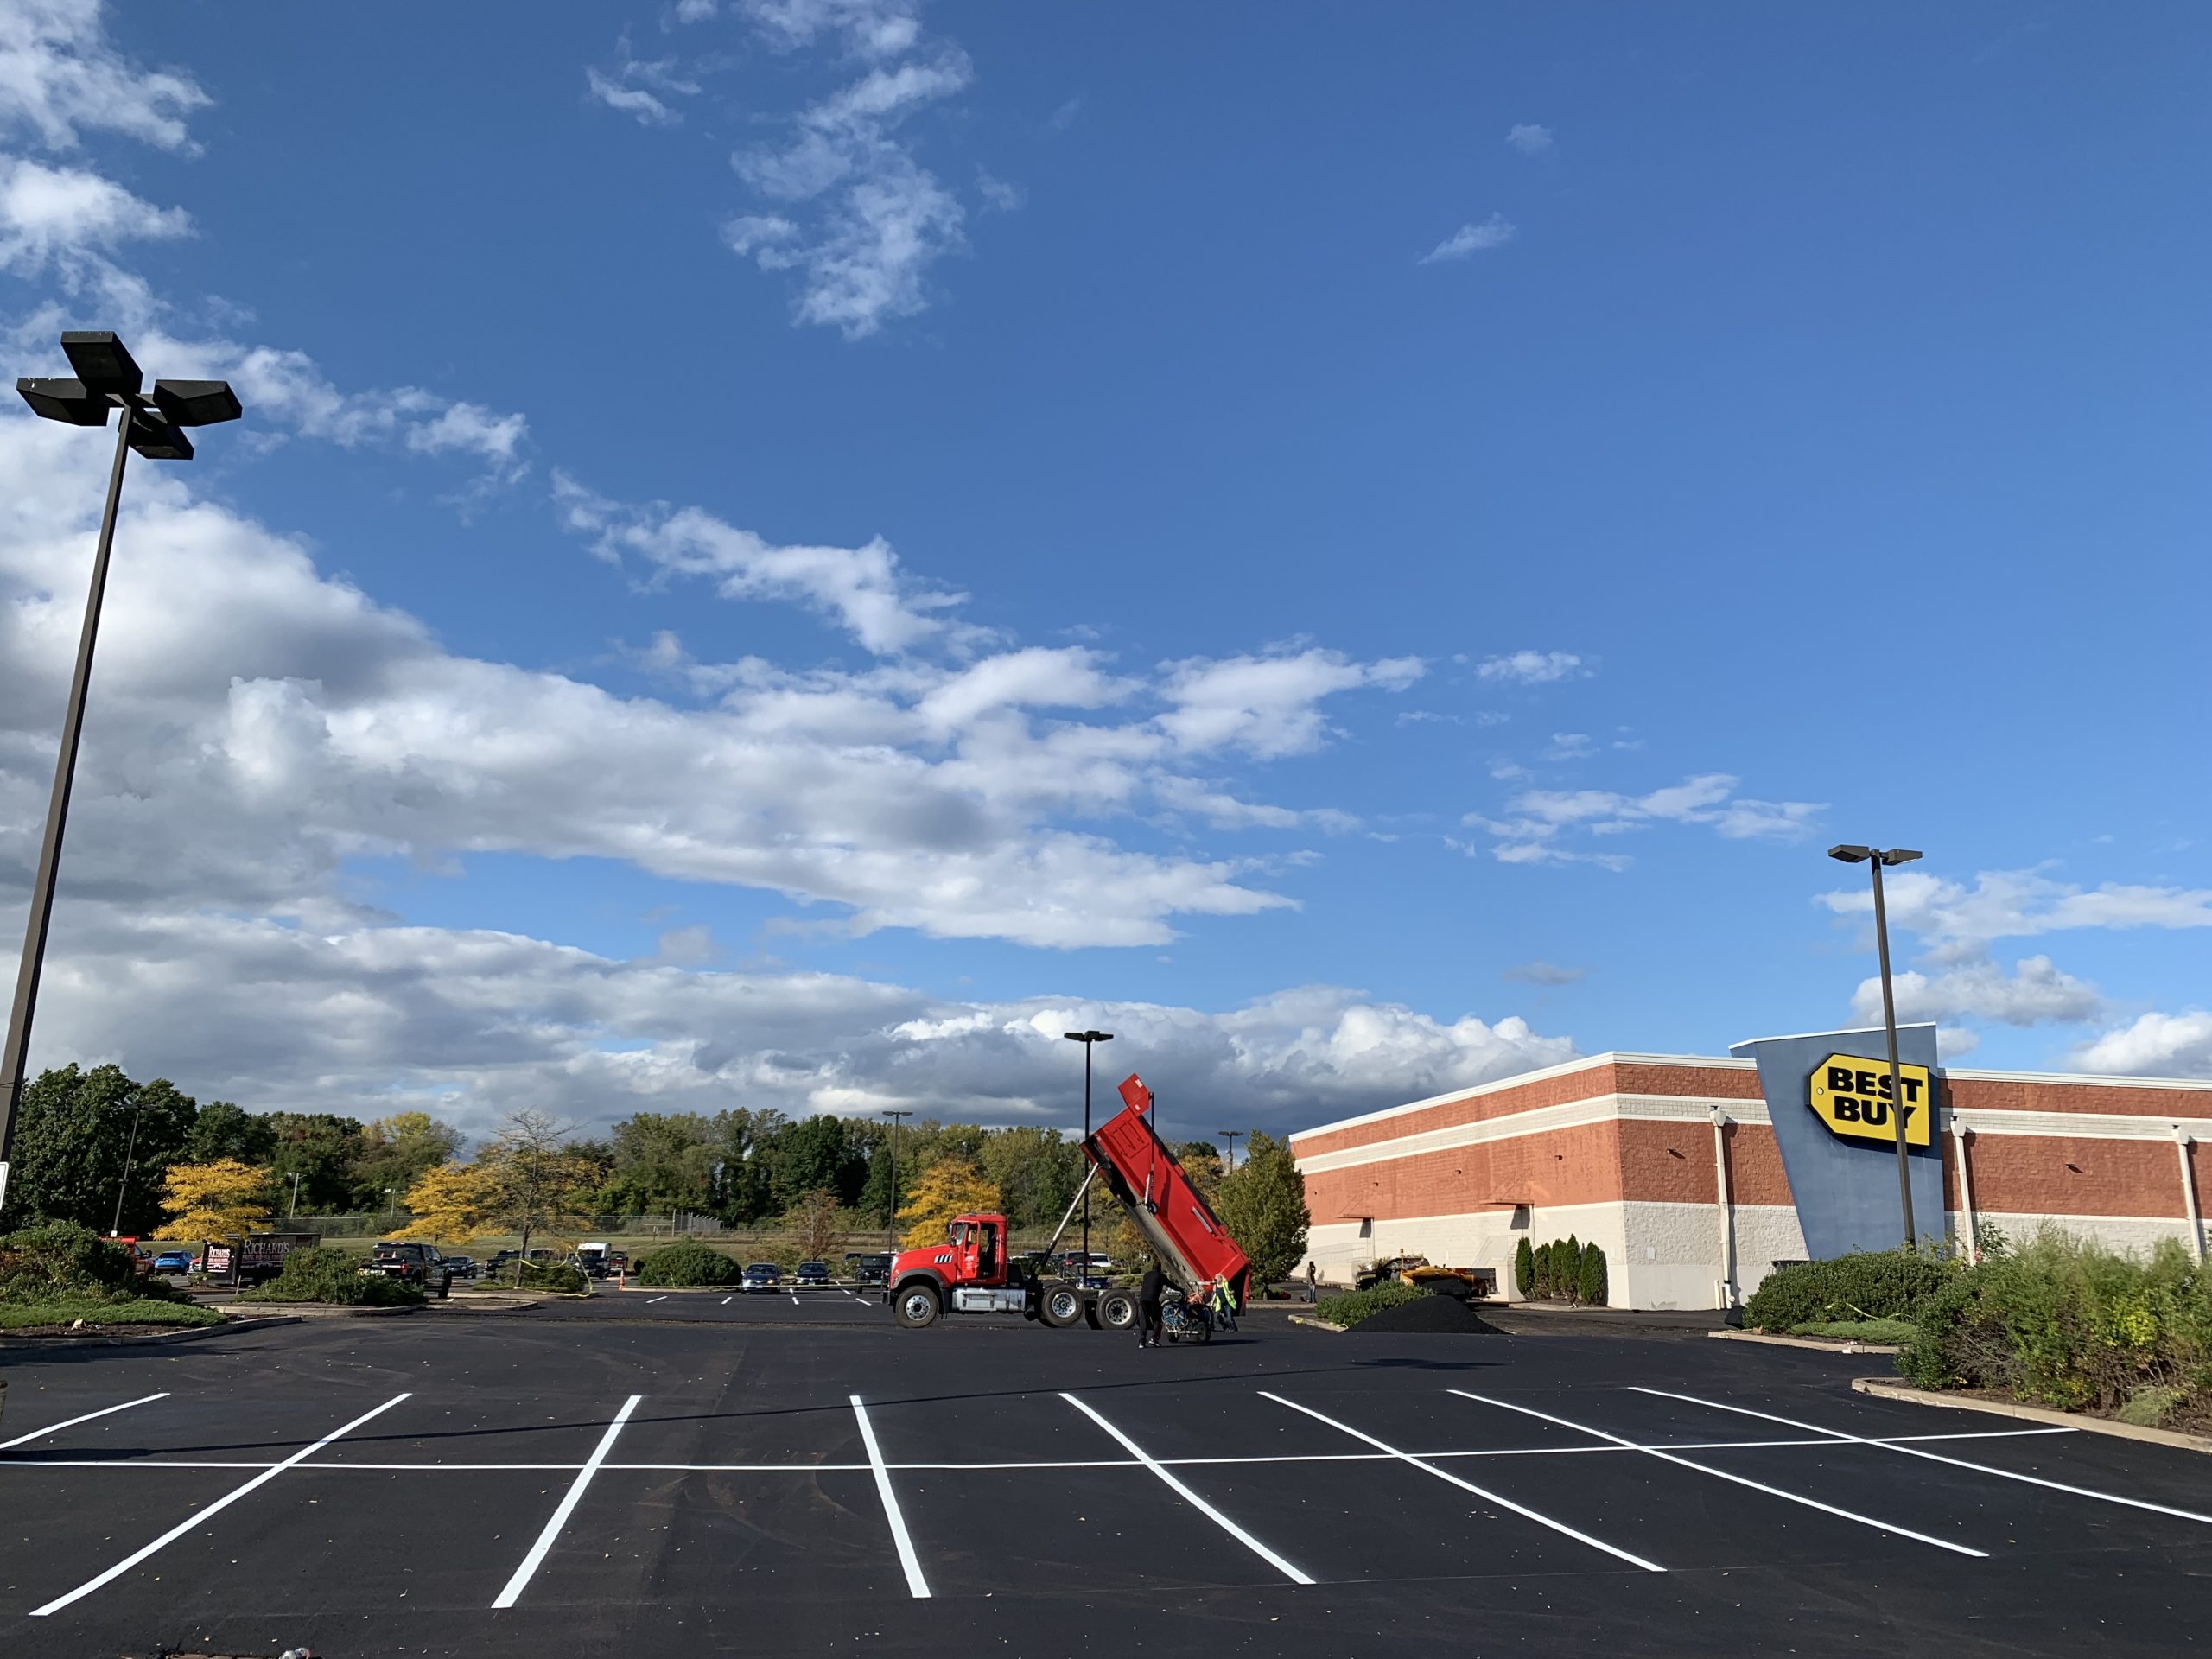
(1223,1303)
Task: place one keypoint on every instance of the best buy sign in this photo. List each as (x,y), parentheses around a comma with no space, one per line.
(1851,1096)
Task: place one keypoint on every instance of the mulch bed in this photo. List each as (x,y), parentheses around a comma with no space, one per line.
(1431,1314)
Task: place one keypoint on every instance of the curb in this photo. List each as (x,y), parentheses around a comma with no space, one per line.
(244,1312)
(1827,1344)
(192,1335)
(1883,1389)
(1316,1324)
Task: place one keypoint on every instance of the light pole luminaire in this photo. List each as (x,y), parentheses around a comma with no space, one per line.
(1875,858)
(1230,1137)
(1089,1039)
(107,379)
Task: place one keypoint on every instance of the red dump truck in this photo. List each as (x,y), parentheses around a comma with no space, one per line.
(973,1272)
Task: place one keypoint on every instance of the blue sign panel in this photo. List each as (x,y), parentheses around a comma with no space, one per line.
(1845,1181)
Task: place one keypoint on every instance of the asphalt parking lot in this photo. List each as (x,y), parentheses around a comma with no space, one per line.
(786,1305)
(615,1484)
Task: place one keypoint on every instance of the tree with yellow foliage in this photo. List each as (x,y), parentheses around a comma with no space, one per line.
(454,1204)
(216,1200)
(949,1187)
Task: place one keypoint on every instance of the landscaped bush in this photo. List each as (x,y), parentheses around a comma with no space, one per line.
(689,1262)
(1877,1285)
(332,1276)
(1590,1288)
(1355,1305)
(565,1277)
(1524,1266)
(1566,1270)
(61,1259)
(2067,1323)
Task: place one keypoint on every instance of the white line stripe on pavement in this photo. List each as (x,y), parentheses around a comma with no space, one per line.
(201,1514)
(1722,1474)
(1468,1485)
(1937,1456)
(72,1422)
(1192,1497)
(529,1562)
(915,1582)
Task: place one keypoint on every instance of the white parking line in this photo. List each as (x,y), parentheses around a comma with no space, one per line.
(794,1299)
(1192,1497)
(201,1514)
(55,1428)
(1723,1474)
(1468,1485)
(726,1301)
(529,1562)
(1937,1456)
(915,1582)
(650,1301)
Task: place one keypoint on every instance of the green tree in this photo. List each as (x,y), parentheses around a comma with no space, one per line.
(73,1136)
(1590,1285)
(661,1161)
(1524,1266)
(1262,1203)
(396,1151)
(223,1129)
(815,1155)
(324,1151)
(1036,1171)
(741,1187)
(1201,1162)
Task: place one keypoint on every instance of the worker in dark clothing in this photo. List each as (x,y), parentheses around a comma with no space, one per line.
(1149,1290)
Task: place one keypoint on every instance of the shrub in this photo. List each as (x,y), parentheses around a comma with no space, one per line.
(1589,1286)
(332,1276)
(565,1277)
(62,1259)
(1349,1310)
(2069,1323)
(689,1262)
(1877,1285)
(1524,1266)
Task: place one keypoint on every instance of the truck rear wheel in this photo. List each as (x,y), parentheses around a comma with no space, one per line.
(1117,1310)
(1060,1304)
(916,1306)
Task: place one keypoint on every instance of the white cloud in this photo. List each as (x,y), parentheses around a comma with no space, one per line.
(49,213)
(1226,811)
(288,389)
(864,587)
(1532,835)
(2035,993)
(998,194)
(877,219)
(1529,138)
(1570,746)
(60,78)
(1533,667)
(1267,706)
(1493,232)
(1961,922)
(642,89)
(1545,973)
(1066,115)
(2154,1045)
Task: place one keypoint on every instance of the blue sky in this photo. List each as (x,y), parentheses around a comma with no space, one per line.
(783,552)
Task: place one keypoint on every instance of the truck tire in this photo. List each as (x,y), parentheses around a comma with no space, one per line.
(1117,1310)
(916,1306)
(1060,1304)
(1206,1330)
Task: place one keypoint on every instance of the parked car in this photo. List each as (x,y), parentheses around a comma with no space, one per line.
(866,1268)
(461,1267)
(412,1263)
(813,1273)
(762,1275)
(173,1262)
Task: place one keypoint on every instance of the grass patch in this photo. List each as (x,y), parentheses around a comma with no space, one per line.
(1349,1310)
(1895,1332)
(139,1311)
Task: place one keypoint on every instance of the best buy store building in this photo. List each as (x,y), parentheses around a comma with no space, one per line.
(1698,1175)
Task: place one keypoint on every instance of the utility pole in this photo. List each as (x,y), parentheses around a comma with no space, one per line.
(1876,858)
(891,1219)
(1089,1039)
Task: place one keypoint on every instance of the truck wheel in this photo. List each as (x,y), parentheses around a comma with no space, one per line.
(1204,1332)
(1117,1310)
(916,1306)
(1060,1304)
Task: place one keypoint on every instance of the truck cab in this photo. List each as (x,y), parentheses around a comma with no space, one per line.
(973,1272)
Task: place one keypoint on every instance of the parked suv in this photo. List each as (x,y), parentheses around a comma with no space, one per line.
(813,1273)
(419,1265)
(869,1268)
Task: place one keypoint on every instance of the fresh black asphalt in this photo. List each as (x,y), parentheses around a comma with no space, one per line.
(736,1510)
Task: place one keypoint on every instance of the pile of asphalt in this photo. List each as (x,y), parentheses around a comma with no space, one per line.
(1431,1313)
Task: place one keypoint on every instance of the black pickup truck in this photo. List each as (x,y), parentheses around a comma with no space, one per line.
(419,1265)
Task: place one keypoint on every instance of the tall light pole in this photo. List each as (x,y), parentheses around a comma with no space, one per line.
(1231,1137)
(1875,858)
(130,1151)
(295,1210)
(1089,1039)
(891,1223)
(107,379)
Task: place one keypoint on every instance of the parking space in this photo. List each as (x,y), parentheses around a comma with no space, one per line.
(352,1477)
(786,1305)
